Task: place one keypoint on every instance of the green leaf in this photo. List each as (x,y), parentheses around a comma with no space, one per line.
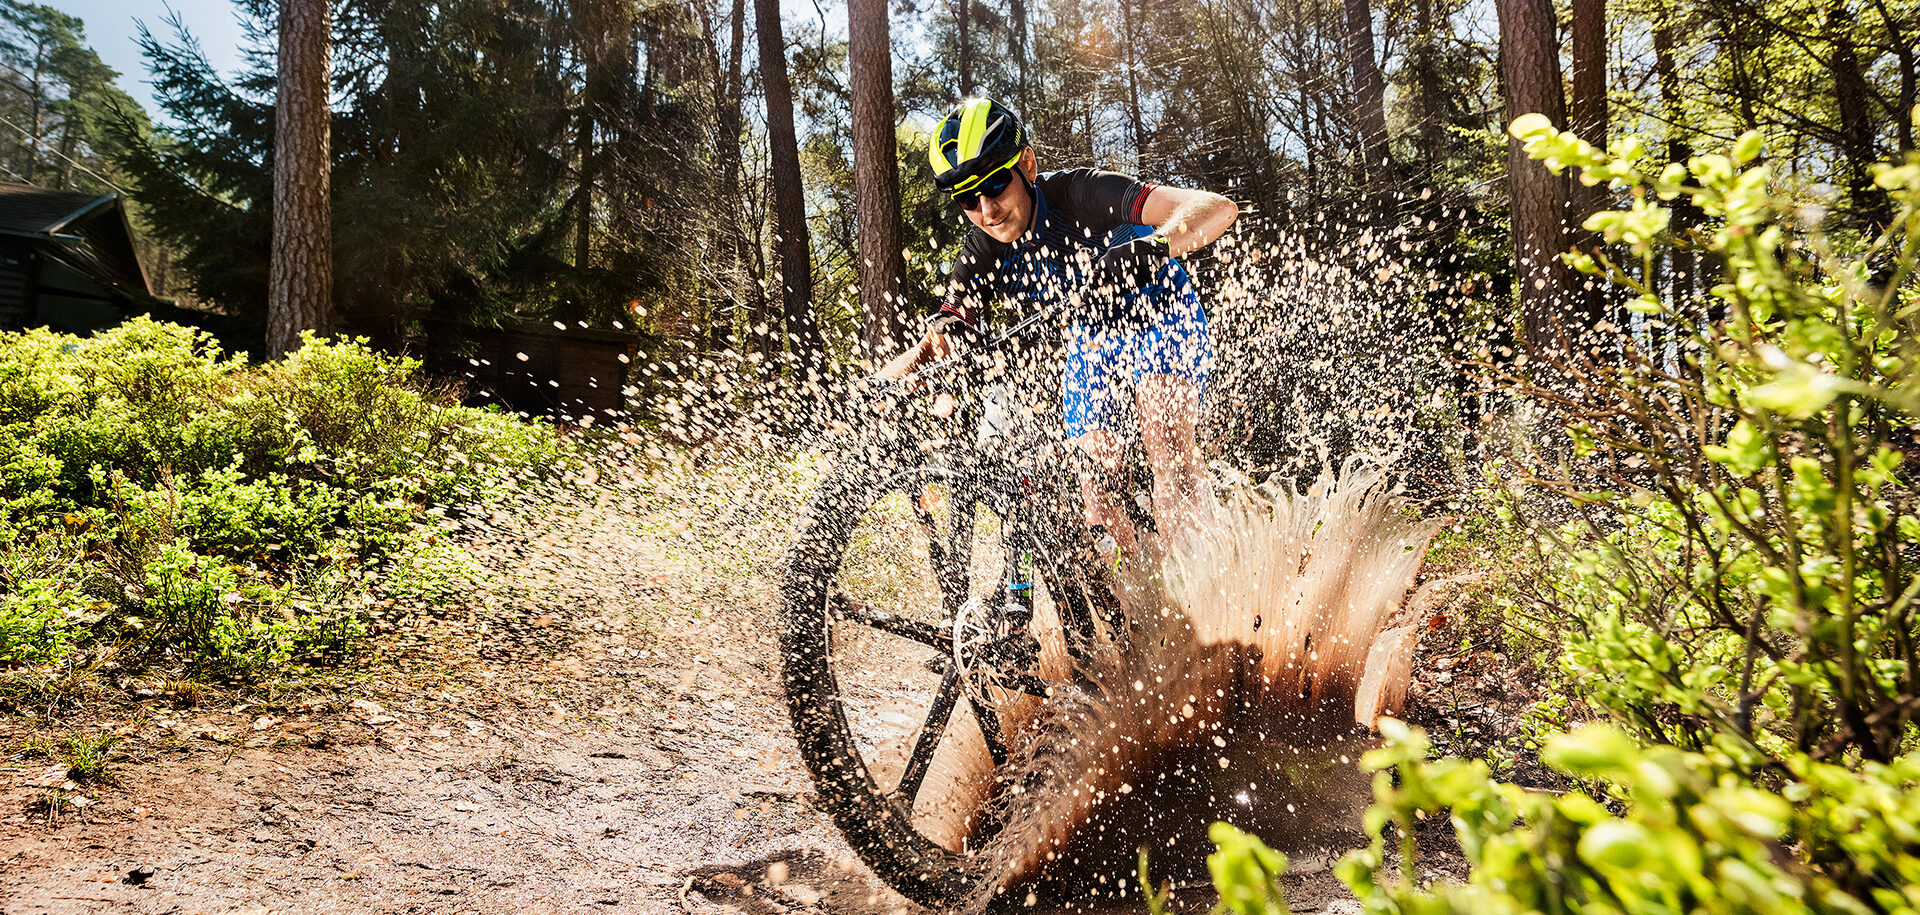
(1798,391)
(1530,126)
(1745,452)
(1593,750)
(1615,843)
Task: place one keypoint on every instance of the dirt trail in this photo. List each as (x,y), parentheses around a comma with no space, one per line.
(586,747)
(583,743)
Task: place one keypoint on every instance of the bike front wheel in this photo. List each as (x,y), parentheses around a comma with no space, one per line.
(900,572)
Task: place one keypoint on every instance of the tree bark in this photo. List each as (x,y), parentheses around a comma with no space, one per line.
(964,24)
(300,277)
(583,188)
(1587,111)
(1431,98)
(1587,104)
(1131,38)
(1530,84)
(1369,103)
(760,316)
(795,266)
(1682,262)
(1903,51)
(876,178)
(1869,206)
(1017,13)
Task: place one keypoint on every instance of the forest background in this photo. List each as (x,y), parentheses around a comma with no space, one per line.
(692,169)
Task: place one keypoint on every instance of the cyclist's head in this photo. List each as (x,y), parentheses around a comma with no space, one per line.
(977,152)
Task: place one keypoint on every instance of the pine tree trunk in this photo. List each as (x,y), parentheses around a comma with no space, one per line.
(300,278)
(1903,45)
(760,319)
(1530,84)
(1432,100)
(583,189)
(1682,262)
(876,178)
(795,265)
(963,25)
(1869,206)
(1017,13)
(1131,38)
(1369,103)
(1587,112)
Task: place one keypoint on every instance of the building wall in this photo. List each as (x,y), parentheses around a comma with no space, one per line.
(73,314)
(15,311)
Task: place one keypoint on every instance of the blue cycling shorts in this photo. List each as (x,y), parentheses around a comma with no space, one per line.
(1105,361)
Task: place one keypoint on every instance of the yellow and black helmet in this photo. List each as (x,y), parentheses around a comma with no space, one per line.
(979,138)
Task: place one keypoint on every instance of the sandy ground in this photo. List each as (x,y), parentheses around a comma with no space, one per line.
(607,737)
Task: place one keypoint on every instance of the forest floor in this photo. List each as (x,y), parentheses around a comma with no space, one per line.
(598,728)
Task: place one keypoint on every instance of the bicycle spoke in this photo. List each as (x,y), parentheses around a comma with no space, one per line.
(929,737)
(930,636)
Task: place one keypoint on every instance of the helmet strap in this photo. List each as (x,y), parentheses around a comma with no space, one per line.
(1033,192)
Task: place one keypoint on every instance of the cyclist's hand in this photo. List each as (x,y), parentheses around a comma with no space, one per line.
(1131,266)
(935,347)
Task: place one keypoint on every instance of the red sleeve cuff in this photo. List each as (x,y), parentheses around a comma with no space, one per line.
(962,312)
(1140,204)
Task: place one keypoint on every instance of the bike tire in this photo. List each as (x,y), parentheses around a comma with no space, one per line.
(876,824)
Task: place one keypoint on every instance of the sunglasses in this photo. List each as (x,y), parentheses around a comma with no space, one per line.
(992,185)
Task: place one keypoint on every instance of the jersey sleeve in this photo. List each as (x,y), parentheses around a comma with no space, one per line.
(1100,201)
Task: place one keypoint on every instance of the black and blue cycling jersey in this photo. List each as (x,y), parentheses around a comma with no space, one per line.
(1077,214)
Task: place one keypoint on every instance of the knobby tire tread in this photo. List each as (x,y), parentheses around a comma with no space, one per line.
(875,825)
(878,828)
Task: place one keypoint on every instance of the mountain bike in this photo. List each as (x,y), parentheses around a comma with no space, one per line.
(943,582)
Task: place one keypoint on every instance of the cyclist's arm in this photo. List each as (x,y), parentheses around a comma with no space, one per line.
(1189,219)
(960,314)
(932,347)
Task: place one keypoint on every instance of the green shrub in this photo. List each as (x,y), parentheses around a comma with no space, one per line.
(1664,830)
(1747,566)
(200,606)
(33,624)
(43,598)
(217,515)
(1737,590)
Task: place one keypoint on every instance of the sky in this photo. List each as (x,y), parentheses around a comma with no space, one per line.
(112,33)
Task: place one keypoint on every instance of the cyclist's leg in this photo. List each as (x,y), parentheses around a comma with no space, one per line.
(1089,390)
(1174,367)
(1169,407)
(1103,445)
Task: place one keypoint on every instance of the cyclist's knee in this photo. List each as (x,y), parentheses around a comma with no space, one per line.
(1102,445)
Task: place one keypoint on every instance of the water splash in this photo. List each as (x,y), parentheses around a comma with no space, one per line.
(1261,653)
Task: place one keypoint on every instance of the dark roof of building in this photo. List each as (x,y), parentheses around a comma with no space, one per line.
(88,232)
(29,210)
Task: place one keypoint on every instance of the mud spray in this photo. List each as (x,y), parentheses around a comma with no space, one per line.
(1264,648)
(1262,652)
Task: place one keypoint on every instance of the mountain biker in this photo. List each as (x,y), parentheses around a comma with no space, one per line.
(1044,239)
